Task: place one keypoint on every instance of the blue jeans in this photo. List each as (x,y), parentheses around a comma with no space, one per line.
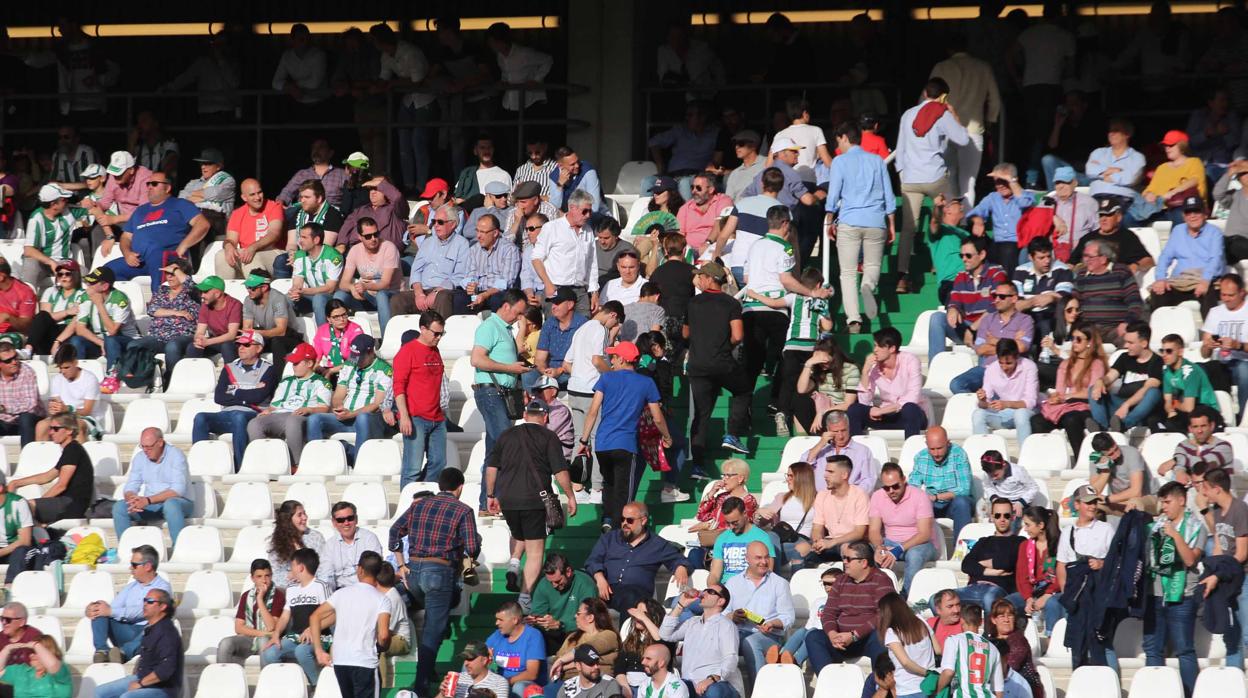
(282,268)
(232,422)
(1175,622)
(820,652)
(719,689)
(916,558)
(676,457)
(968,381)
(379,301)
(1235,638)
(796,644)
(428,439)
(983,421)
(174,512)
(960,509)
(125,636)
(1050,162)
(317,303)
(982,595)
(303,654)
(432,587)
(754,646)
(114,346)
(1104,408)
(227,350)
(494,413)
(938,330)
(121,689)
(366,426)
(1239,376)
(150,262)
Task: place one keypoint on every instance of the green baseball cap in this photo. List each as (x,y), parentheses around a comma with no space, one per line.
(357,159)
(254,280)
(211,283)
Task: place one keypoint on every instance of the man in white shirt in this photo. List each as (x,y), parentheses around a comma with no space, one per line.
(814,146)
(625,288)
(1224,338)
(360,614)
(564,254)
(519,65)
(587,357)
(343,549)
(301,70)
(403,65)
(762,608)
(974,95)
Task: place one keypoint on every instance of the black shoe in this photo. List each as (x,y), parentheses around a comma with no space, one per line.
(772,408)
(700,474)
(513,581)
(606,527)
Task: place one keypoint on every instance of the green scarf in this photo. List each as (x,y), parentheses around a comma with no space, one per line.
(1165,562)
(335,347)
(12,523)
(251,612)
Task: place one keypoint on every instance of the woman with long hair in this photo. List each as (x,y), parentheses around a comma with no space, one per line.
(58,306)
(1055,346)
(643,631)
(793,509)
(827,382)
(333,339)
(291,533)
(593,627)
(1003,623)
(1067,406)
(909,643)
(1035,572)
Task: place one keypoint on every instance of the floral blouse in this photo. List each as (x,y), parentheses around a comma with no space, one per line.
(169,328)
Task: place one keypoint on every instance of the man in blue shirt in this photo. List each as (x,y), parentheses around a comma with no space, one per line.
(1003,208)
(625,562)
(1115,169)
(1191,259)
(121,622)
(556,339)
(157,487)
(692,147)
(439,268)
(574,174)
(860,203)
(163,227)
(518,650)
(621,395)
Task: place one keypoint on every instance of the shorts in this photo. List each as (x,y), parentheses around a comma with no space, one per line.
(526,524)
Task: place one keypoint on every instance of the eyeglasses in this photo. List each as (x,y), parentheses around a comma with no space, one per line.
(699,188)
(968,256)
(64,273)
(145,447)
(8,619)
(586,211)
(439,221)
(155,184)
(851,559)
(368,237)
(1003,296)
(630,519)
(531,228)
(1003,515)
(345,519)
(339,316)
(712,592)
(891,488)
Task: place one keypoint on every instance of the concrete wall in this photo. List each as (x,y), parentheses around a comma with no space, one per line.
(602,55)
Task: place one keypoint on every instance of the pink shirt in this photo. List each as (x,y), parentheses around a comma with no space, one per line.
(840,515)
(906,385)
(322,342)
(696,224)
(901,520)
(372,266)
(1023,385)
(126,198)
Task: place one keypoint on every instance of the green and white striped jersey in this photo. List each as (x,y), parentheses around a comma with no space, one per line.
(804,316)
(118,307)
(976,666)
(363,384)
(317,272)
(112,210)
(53,236)
(293,393)
(57,300)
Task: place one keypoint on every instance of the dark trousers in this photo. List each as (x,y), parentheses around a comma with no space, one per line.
(1071,422)
(820,652)
(704,391)
(803,412)
(790,368)
(764,340)
(1004,254)
(23,426)
(356,681)
(619,478)
(1236,248)
(910,419)
(1173,297)
(43,331)
(280,347)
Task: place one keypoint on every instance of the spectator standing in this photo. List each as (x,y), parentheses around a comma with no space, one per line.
(701,211)
(440,532)
(850,614)
(924,135)
(1004,208)
(745,145)
(1082,549)
(290,638)
(404,66)
(690,146)
(969,298)
(244,388)
(969,649)
(330,179)
(496,358)
(976,100)
(73,473)
(902,523)
(418,376)
(362,385)
(259,609)
(520,66)
(564,254)
(588,361)
(157,487)
(1177,540)
(124,620)
(253,234)
(161,657)
(893,379)
(161,228)
(814,147)
(72,157)
(625,561)
(218,321)
(1108,293)
(344,548)
(714,326)
(943,472)
(301,71)
(1227,523)
(710,663)
(360,614)
(1007,398)
(1043,54)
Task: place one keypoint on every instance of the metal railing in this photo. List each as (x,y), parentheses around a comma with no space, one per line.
(253,106)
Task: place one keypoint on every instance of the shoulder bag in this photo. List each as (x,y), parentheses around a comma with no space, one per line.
(513,399)
(550,501)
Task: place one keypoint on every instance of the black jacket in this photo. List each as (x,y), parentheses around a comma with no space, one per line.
(161,652)
(1222,602)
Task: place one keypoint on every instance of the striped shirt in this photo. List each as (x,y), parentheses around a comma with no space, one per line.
(317,272)
(69,167)
(976,666)
(497,267)
(218,192)
(972,296)
(151,156)
(1110,298)
(117,305)
(528,172)
(58,302)
(1216,452)
(363,384)
(112,210)
(804,316)
(853,606)
(294,392)
(53,236)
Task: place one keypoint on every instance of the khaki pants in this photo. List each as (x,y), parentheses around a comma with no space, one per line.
(912,203)
(849,240)
(262,260)
(399,647)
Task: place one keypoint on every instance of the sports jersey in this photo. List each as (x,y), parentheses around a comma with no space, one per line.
(57,300)
(1188,381)
(117,305)
(976,666)
(363,384)
(294,392)
(52,236)
(317,272)
(804,316)
(112,210)
(769,258)
(328,216)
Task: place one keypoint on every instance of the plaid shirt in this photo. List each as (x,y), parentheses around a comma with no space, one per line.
(496,268)
(954,475)
(19,395)
(437,526)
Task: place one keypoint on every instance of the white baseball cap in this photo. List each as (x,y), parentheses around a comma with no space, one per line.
(119,162)
(785,143)
(51,192)
(92,171)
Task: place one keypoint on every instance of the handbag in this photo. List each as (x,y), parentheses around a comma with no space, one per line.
(513,399)
(787,533)
(1178,198)
(554,509)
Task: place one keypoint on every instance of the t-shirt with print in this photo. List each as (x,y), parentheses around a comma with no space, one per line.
(624,395)
(294,392)
(976,666)
(804,316)
(117,305)
(218,320)
(1189,380)
(58,302)
(160,227)
(356,610)
(302,601)
(1194,534)
(371,267)
(769,258)
(75,393)
(730,548)
(252,226)
(319,270)
(264,317)
(1221,321)
(53,236)
(1119,473)
(363,383)
(1132,372)
(1230,524)
(511,658)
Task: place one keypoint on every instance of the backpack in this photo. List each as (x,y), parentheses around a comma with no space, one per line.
(137,367)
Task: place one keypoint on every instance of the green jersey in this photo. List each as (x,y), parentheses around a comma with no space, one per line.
(293,393)
(326,267)
(58,301)
(117,305)
(53,236)
(976,666)
(1189,380)
(363,383)
(804,316)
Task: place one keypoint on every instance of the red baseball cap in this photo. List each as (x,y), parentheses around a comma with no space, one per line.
(302,352)
(434,186)
(625,350)
(1175,136)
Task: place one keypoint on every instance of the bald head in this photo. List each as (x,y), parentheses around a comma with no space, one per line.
(656,659)
(758,557)
(152,443)
(937,443)
(252,194)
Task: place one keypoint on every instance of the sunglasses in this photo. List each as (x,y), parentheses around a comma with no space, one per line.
(891,488)
(150,601)
(531,228)
(64,273)
(369,237)
(439,221)
(137,564)
(437,334)
(345,519)
(156,184)
(699,188)
(630,519)
(1077,338)
(1168,351)
(712,592)
(1003,515)
(968,256)
(1003,296)
(8,619)
(10,360)
(56,427)
(586,211)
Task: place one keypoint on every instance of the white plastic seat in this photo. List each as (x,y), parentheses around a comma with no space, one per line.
(313,496)
(42,380)
(1220,682)
(1093,682)
(37,457)
(246,503)
(918,337)
(1158,448)
(495,546)
(319,460)
(1042,454)
(282,681)
(36,589)
(472,423)
(977,444)
(221,680)
(207,633)
(909,451)
(134,293)
(957,417)
(457,341)
(782,680)
(839,681)
(636,210)
(1046,680)
(376,460)
(928,581)
(197,547)
(143,413)
(877,445)
(97,675)
(263,460)
(192,377)
(327,683)
(1155,682)
(1057,653)
(1172,320)
(794,451)
(133,538)
(807,590)
(392,339)
(210,459)
(105,459)
(252,542)
(85,588)
(369,499)
(1080,466)
(207,593)
(48,625)
(963,543)
(186,418)
(462,377)
(203,500)
(944,368)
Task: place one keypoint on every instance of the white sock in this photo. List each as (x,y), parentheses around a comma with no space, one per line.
(513,564)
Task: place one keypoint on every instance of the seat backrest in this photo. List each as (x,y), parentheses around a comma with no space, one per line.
(838,681)
(929,581)
(193,377)
(88,587)
(628,180)
(247,501)
(1057,641)
(944,368)
(105,458)
(97,675)
(313,496)
(134,293)
(192,407)
(878,446)
(392,339)
(1220,682)
(369,499)
(208,633)
(782,680)
(794,450)
(1093,682)
(221,680)
(48,625)
(198,544)
(1159,448)
(957,417)
(327,684)
(251,543)
(37,457)
(266,457)
(325,457)
(460,330)
(141,535)
(143,413)
(976,444)
(36,589)
(918,337)
(1172,320)
(1044,452)
(282,681)
(210,458)
(1156,682)
(376,457)
(909,451)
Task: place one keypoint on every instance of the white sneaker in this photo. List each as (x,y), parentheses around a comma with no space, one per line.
(782,424)
(595,497)
(671,495)
(582,497)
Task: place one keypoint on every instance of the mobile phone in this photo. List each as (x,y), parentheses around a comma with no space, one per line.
(1216,337)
